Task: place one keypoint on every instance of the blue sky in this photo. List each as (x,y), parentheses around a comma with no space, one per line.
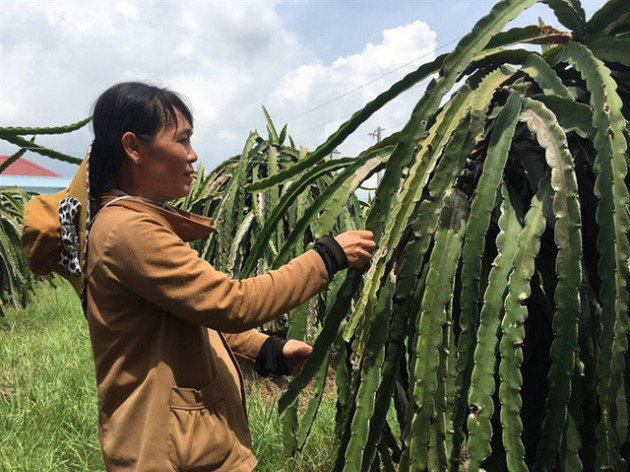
(228,59)
(338,28)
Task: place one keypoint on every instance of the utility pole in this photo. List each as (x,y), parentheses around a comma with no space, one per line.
(332,154)
(377,134)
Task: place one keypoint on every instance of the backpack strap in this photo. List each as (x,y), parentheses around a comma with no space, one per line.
(87,230)
(106,205)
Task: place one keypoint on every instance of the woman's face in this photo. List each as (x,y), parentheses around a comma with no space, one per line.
(160,169)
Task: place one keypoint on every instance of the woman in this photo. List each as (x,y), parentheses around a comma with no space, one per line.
(164,324)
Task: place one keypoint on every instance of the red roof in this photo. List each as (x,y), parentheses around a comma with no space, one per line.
(26,168)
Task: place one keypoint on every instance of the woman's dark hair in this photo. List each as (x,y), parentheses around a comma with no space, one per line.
(129,106)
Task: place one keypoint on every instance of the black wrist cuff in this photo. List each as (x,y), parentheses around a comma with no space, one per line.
(270,359)
(332,254)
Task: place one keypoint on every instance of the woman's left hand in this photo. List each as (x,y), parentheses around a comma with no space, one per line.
(295,354)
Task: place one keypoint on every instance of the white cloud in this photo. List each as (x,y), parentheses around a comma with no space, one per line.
(127,8)
(226,134)
(227,58)
(57,58)
(310,85)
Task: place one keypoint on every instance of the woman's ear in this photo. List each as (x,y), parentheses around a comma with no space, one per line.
(131,146)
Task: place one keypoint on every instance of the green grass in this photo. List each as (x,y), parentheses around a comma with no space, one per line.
(48,405)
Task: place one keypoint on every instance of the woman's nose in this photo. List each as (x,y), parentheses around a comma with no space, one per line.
(192,155)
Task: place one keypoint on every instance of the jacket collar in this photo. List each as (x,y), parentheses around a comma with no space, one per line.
(188,226)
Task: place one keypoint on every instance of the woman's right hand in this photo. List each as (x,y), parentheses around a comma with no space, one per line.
(358,246)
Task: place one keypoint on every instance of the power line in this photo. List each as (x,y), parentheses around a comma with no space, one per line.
(332,100)
(321,105)
(323,124)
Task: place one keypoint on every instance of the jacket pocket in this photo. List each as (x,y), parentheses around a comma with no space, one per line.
(199,438)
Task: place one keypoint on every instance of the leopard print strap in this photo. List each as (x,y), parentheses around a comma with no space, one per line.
(69,209)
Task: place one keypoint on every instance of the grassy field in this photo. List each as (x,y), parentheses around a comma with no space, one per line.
(48,409)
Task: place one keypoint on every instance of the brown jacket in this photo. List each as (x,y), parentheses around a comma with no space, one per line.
(170,394)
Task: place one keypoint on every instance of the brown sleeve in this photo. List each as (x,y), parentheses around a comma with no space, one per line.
(246,344)
(154,263)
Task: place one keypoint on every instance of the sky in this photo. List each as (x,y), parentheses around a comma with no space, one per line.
(310,63)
